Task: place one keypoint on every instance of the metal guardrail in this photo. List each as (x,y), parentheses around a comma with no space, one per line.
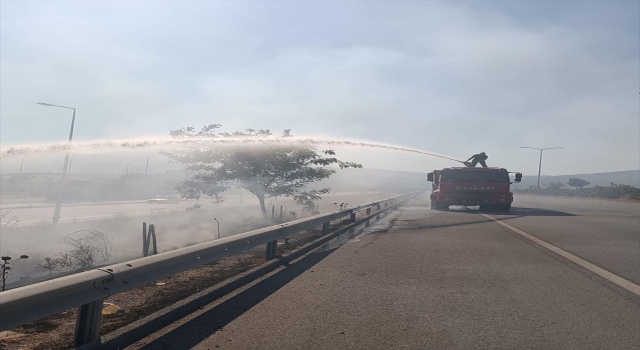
(88,289)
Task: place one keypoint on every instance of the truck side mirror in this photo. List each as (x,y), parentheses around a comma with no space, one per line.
(430,177)
(518,177)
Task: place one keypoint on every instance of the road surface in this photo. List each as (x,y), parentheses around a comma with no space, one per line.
(425,279)
(30,214)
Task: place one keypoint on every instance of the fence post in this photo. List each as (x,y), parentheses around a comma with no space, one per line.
(272,248)
(281,211)
(88,323)
(273,212)
(145,247)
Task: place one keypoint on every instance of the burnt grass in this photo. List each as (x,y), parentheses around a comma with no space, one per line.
(56,332)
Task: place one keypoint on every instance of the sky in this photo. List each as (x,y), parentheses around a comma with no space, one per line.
(450,77)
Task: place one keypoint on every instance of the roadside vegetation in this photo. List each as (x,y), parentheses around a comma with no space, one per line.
(576,188)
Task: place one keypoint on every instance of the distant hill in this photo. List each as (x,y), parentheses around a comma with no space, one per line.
(629,177)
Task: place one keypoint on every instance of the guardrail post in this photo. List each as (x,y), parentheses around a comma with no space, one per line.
(272,249)
(88,323)
(325,228)
(378,207)
(352,217)
(368,211)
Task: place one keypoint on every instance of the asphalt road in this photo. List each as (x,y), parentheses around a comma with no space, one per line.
(30,214)
(425,279)
(36,214)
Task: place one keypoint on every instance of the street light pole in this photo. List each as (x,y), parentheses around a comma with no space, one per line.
(65,166)
(146,170)
(540,163)
(70,163)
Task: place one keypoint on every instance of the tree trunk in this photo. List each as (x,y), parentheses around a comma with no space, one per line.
(262,206)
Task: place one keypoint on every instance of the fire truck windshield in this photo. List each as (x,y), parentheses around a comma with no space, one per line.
(480,176)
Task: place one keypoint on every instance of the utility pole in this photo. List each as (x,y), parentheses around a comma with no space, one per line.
(65,165)
(540,163)
(22,163)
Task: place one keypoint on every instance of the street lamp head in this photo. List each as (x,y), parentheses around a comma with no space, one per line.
(52,105)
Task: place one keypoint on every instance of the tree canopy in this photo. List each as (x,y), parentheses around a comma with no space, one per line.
(576,182)
(266,170)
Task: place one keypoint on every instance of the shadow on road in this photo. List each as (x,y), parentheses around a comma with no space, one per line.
(519,211)
(430,226)
(500,216)
(514,212)
(195,331)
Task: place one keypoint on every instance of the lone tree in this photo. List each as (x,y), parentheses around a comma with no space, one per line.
(267,170)
(575,182)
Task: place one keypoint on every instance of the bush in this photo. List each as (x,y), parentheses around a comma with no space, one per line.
(613,191)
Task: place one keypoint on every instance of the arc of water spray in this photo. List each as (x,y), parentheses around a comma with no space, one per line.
(133,144)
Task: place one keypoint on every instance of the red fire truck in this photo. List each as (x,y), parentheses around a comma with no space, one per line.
(484,187)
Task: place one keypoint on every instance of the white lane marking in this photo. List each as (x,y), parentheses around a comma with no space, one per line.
(628,285)
(631,216)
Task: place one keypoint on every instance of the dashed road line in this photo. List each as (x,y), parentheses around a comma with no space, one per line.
(628,285)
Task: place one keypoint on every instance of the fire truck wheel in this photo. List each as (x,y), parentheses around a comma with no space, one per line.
(504,207)
(441,206)
(487,207)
